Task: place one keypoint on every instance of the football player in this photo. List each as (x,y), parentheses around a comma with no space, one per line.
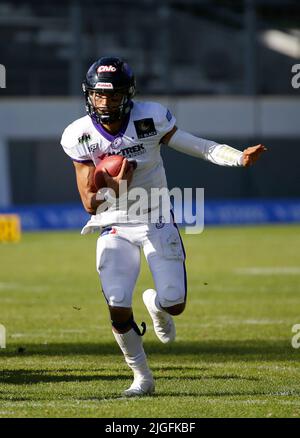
(117,124)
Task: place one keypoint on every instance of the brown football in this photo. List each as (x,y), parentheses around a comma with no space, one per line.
(112,163)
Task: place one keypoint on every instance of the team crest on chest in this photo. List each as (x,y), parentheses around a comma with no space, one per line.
(85,141)
(145,128)
(93,147)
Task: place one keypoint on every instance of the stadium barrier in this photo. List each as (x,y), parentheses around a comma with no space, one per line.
(225,212)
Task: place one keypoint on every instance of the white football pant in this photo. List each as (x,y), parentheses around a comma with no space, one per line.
(119,258)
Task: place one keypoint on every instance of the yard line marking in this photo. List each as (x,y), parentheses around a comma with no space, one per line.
(237,289)
(53,333)
(280,270)
(219,321)
(264,321)
(62,403)
(31,288)
(4,286)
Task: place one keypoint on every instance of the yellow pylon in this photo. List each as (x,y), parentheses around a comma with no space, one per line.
(10,228)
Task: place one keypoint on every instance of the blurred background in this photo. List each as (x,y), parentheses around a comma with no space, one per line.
(226,69)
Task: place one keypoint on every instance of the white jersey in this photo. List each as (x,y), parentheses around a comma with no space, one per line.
(139,140)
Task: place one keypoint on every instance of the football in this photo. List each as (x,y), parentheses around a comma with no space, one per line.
(112,163)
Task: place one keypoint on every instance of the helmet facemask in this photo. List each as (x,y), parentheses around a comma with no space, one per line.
(103,113)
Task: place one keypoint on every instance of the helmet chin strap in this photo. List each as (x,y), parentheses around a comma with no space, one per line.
(108,118)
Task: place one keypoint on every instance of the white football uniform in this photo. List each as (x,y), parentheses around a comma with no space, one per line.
(121,236)
(138,140)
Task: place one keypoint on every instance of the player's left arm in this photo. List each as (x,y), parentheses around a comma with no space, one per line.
(221,154)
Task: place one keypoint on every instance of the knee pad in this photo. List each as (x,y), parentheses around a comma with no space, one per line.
(171,295)
(115,295)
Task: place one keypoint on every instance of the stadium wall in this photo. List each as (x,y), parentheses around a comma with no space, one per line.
(227,212)
(34,170)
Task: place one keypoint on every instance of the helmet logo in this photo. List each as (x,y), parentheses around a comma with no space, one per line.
(106,68)
(107,85)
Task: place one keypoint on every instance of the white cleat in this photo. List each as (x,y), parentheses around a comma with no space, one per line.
(140,388)
(163,323)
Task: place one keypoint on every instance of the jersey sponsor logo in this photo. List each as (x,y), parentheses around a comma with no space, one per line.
(84,138)
(104,85)
(106,68)
(145,128)
(132,151)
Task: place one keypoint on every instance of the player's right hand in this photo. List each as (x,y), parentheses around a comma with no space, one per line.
(126,173)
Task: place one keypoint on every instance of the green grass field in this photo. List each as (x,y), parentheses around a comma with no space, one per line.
(232,358)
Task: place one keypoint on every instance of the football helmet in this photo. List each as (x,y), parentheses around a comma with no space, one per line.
(109,76)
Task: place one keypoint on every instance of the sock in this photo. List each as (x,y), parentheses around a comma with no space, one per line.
(132,347)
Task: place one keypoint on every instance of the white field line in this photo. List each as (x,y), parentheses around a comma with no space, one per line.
(32,288)
(238,289)
(89,404)
(263,321)
(38,335)
(18,286)
(53,333)
(59,403)
(4,286)
(278,368)
(255,401)
(221,321)
(218,322)
(280,270)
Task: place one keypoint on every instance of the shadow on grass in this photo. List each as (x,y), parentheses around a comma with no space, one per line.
(29,377)
(210,350)
(23,376)
(191,393)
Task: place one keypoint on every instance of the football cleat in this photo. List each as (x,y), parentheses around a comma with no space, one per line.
(163,323)
(140,388)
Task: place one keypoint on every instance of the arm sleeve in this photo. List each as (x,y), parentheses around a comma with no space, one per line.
(220,154)
(74,146)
